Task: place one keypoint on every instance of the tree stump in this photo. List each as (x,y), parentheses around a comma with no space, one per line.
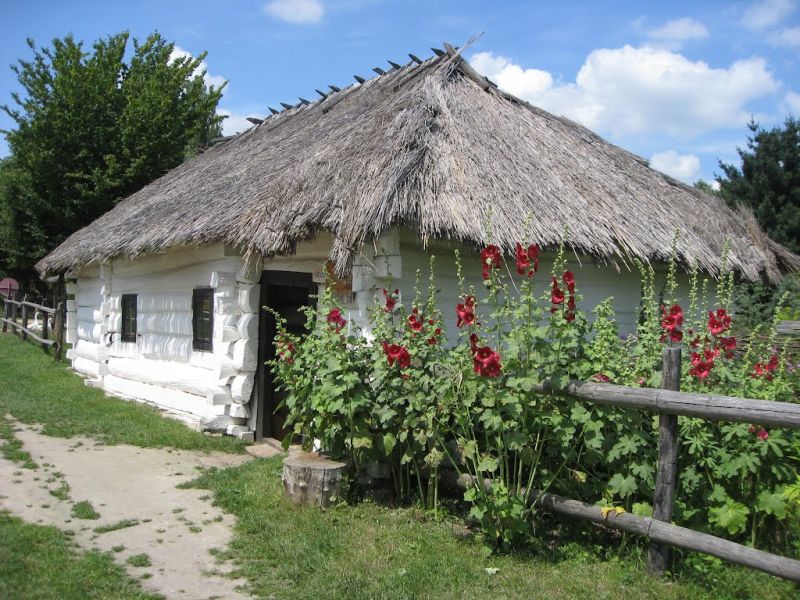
(312,479)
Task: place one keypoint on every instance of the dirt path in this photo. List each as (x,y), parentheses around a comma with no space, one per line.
(175,528)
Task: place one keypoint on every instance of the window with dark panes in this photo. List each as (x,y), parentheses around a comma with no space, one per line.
(128,317)
(202,318)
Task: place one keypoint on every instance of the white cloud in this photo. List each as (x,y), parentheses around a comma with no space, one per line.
(685,167)
(235,122)
(640,90)
(767,13)
(296,11)
(793,100)
(679,30)
(789,37)
(215,80)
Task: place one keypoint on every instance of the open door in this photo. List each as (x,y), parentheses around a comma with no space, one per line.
(286,292)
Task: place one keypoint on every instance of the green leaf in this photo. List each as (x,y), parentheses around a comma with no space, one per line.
(622,486)
(772,503)
(731,516)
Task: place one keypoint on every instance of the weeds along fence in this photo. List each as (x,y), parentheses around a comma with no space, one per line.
(669,403)
(40,323)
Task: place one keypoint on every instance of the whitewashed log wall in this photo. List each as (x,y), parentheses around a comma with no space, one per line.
(161,367)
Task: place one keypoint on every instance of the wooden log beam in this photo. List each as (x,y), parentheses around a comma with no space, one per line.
(29,333)
(707,406)
(674,535)
(659,557)
(791,328)
(46,309)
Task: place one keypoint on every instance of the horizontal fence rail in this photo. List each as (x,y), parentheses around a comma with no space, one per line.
(16,314)
(670,403)
(674,535)
(791,328)
(706,406)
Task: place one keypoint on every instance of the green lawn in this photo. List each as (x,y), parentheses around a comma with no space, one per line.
(35,389)
(371,551)
(366,551)
(41,562)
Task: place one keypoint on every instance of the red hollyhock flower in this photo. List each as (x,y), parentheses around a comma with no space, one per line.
(473,342)
(491,258)
(762,434)
(397,354)
(675,336)
(569,280)
(527,259)
(773,363)
(599,377)
(695,342)
(556,293)
(465,315)
(486,362)
(718,321)
(702,369)
(728,343)
(335,318)
(414,323)
(391,302)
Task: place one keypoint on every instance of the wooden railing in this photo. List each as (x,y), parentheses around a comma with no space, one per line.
(17,314)
(669,403)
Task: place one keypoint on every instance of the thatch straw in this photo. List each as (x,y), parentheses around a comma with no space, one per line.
(434,148)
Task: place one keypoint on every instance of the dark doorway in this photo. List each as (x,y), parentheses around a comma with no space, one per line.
(286,292)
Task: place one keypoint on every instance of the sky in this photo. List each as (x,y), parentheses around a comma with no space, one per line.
(674,82)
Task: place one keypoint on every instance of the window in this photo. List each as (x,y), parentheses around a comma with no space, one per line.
(202,318)
(128,317)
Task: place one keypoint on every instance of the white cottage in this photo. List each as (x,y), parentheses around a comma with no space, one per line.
(165,290)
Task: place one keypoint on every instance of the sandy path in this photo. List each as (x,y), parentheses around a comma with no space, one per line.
(177,528)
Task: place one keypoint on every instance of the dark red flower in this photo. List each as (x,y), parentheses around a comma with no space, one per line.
(762,434)
(414,323)
(527,259)
(556,293)
(473,342)
(718,321)
(486,362)
(702,369)
(569,280)
(599,377)
(728,343)
(397,354)
(465,315)
(675,336)
(391,301)
(491,258)
(335,318)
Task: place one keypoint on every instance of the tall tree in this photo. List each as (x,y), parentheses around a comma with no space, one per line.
(92,128)
(768,180)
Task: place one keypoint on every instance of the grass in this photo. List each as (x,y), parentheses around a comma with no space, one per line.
(41,562)
(139,560)
(373,551)
(11,448)
(36,389)
(118,525)
(84,510)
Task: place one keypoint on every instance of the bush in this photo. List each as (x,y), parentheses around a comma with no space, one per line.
(410,402)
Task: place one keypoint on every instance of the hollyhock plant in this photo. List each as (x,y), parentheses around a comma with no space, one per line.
(718,321)
(486,362)
(414,323)
(491,258)
(671,322)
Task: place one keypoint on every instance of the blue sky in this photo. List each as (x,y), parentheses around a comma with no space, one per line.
(673,82)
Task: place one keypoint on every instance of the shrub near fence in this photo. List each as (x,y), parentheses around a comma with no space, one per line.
(421,408)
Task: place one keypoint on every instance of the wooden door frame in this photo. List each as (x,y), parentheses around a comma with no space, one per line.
(266,334)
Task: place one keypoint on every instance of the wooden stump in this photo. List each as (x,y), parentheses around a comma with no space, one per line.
(312,479)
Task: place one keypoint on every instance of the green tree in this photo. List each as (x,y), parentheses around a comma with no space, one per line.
(768,180)
(93,127)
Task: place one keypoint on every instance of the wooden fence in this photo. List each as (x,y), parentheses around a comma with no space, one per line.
(17,314)
(669,403)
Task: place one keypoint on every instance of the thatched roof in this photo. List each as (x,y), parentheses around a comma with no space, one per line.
(436,148)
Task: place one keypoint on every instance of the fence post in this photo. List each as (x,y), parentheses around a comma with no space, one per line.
(14,308)
(58,330)
(24,334)
(6,313)
(659,556)
(45,331)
